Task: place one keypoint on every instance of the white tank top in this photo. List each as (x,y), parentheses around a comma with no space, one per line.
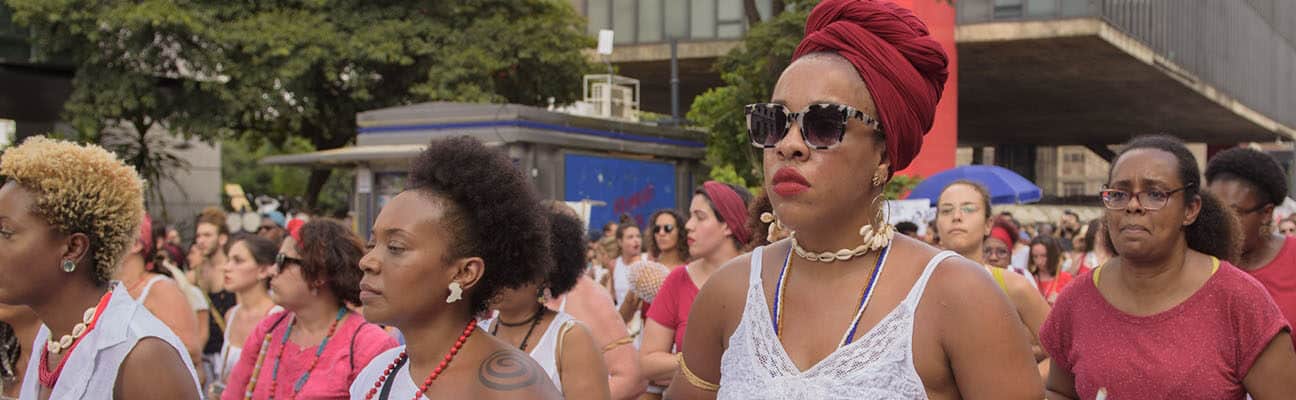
(402,385)
(877,365)
(230,354)
(545,351)
(620,281)
(91,369)
(148,287)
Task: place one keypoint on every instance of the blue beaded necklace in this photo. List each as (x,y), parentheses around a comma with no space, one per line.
(864,297)
(301,382)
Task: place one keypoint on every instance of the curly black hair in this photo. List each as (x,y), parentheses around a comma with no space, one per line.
(1215,232)
(681,239)
(492,212)
(331,252)
(1254,167)
(567,240)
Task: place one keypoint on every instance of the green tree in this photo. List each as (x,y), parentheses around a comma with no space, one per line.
(749,72)
(275,70)
(240,163)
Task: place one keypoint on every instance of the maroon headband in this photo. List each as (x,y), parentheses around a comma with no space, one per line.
(729,206)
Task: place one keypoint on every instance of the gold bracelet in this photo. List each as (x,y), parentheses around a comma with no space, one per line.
(694,380)
(618,343)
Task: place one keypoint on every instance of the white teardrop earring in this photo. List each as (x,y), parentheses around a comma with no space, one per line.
(456,292)
(68,266)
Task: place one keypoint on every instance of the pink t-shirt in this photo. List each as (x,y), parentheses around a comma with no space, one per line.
(333,374)
(1279,278)
(674,299)
(1199,349)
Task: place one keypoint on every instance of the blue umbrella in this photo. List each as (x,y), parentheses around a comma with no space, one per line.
(1006,187)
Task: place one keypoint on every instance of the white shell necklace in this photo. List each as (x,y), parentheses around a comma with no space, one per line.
(874,240)
(87,319)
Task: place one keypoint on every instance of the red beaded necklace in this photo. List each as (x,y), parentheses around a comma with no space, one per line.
(50,377)
(391,368)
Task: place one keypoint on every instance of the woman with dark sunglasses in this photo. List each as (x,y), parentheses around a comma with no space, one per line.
(665,241)
(886,316)
(317,346)
(1252,183)
(1166,317)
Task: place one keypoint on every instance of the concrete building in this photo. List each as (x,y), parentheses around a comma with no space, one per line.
(1037,74)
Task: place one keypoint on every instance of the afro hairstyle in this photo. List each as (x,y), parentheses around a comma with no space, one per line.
(81,189)
(567,240)
(1255,167)
(491,211)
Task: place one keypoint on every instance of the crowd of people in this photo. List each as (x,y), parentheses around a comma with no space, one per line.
(472,286)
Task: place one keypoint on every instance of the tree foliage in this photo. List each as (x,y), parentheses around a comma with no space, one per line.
(222,69)
(749,72)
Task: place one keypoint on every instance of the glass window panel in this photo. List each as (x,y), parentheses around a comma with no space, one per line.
(764,7)
(730,30)
(703,19)
(623,20)
(1042,8)
(650,21)
(677,18)
(731,10)
(597,13)
(1007,9)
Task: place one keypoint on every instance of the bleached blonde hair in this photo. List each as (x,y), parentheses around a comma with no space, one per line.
(81,189)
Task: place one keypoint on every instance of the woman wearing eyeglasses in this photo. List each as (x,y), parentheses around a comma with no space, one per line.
(1167,317)
(845,308)
(247,275)
(1252,183)
(317,346)
(717,229)
(962,213)
(666,242)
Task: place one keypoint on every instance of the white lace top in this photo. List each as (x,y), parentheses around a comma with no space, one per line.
(877,365)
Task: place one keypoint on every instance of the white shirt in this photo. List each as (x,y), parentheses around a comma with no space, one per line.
(92,368)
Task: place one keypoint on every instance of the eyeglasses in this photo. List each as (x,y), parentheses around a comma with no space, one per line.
(967,209)
(282,259)
(822,125)
(1117,199)
(659,228)
(996,251)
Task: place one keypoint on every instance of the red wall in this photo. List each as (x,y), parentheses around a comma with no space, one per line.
(938,146)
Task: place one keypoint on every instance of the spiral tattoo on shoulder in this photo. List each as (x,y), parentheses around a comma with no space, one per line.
(507,370)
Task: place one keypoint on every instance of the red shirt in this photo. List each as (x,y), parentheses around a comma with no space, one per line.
(671,306)
(1279,279)
(1050,289)
(1199,349)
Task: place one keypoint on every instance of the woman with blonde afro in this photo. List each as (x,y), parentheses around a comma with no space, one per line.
(68,214)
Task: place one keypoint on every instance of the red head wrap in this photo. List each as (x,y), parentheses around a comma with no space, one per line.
(729,206)
(901,64)
(1002,234)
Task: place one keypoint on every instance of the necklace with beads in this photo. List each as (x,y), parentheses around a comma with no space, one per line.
(301,382)
(68,343)
(865,295)
(384,381)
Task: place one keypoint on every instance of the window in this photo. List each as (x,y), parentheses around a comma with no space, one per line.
(1007,9)
(703,19)
(650,21)
(623,20)
(597,13)
(1070,189)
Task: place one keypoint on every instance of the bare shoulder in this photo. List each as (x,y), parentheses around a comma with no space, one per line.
(154,370)
(506,373)
(1017,284)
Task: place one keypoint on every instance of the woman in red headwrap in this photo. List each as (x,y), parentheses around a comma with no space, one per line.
(887,316)
(717,229)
